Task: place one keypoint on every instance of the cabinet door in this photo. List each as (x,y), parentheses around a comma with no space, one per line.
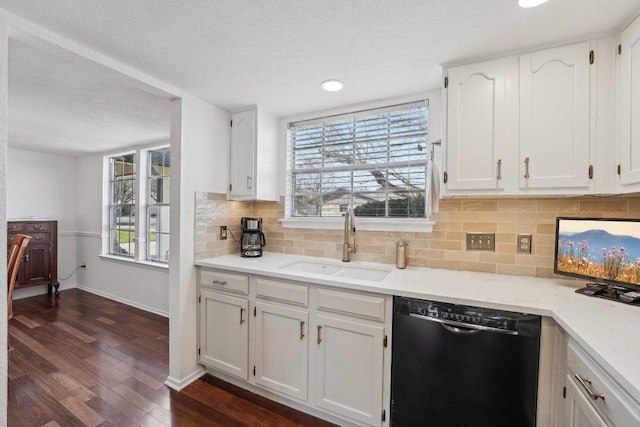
(224,333)
(555,118)
(477,124)
(579,411)
(37,264)
(629,75)
(242,154)
(282,349)
(349,368)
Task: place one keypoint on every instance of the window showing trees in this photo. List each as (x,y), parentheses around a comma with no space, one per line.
(122,205)
(138,204)
(158,196)
(374,161)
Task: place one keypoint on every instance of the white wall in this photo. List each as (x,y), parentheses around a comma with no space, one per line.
(4,50)
(136,284)
(43,185)
(199,149)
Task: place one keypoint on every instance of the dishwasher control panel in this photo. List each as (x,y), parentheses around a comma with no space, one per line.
(461,314)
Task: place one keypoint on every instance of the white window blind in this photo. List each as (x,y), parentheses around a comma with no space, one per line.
(374,161)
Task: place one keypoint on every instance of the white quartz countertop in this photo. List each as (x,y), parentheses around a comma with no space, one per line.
(606,329)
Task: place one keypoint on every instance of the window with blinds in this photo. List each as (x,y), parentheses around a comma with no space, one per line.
(374,161)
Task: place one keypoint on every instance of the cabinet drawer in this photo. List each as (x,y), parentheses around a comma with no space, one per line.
(352,304)
(40,237)
(617,406)
(37,226)
(13,227)
(281,291)
(225,281)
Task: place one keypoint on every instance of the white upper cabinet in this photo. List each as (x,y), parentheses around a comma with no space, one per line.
(555,125)
(629,107)
(253,156)
(540,123)
(481,112)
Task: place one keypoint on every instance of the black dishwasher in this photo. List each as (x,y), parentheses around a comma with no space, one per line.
(455,365)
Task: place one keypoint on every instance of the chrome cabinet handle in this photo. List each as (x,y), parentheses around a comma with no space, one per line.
(499,169)
(249,182)
(319,330)
(241,315)
(526,167)
(586,384)
(302,329)
(220,282)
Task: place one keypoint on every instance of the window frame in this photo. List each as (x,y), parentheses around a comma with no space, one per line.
(112,221)
(150,205)
(389,223)
(141,251)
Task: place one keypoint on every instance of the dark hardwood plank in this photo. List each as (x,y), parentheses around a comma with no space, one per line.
(83,360)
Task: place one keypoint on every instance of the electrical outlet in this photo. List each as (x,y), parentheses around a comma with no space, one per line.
(524,244)
(223,232)
(481,242)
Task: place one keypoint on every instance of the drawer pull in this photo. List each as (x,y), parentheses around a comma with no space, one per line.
(241,316)
(319,330)
(302,329)
(219,282)
(586,384)
(38,237)
(37,226)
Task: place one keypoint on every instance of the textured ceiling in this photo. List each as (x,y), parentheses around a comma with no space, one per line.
(275,53)
(71,107)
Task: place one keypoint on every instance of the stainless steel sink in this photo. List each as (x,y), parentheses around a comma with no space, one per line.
(339,269)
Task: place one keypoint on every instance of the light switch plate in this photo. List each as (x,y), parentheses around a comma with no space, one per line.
(524,244)
(481,242)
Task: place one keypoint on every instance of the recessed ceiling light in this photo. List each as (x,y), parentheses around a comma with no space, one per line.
(531,3)
(331,85)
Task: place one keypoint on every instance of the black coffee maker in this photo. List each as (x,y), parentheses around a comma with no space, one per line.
(252,239)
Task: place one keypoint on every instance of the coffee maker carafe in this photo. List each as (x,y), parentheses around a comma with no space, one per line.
(252,239)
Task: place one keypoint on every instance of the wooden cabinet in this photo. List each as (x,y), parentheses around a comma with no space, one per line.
(481,102)
(629,107)
(253,156)
(555,118)
(224,333)
(40,263)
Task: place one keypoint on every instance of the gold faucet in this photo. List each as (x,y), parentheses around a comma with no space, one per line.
(349,229)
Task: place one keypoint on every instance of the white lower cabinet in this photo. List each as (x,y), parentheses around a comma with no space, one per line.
(579,411)
(224,333)
(349,368)
(593,398)
(321,350)
(282,349)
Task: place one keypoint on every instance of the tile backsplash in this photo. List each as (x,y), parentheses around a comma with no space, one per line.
(444,247)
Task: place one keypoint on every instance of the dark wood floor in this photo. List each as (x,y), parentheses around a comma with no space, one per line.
(90,361)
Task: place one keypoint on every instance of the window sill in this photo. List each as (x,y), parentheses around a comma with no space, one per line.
(368,224)
(135,262)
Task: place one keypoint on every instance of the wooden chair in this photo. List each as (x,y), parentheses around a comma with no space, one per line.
(18,245)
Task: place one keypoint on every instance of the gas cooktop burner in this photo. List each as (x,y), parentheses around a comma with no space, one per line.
(611,292)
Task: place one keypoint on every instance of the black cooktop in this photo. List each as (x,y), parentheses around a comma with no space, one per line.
(611,292)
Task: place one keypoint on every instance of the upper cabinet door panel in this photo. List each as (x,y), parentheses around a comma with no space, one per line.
(555,117)
(243,151)
(477,124)
(629,75)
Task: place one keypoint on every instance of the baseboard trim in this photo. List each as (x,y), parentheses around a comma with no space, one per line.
(34,291)
(124,301)
(178,385)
